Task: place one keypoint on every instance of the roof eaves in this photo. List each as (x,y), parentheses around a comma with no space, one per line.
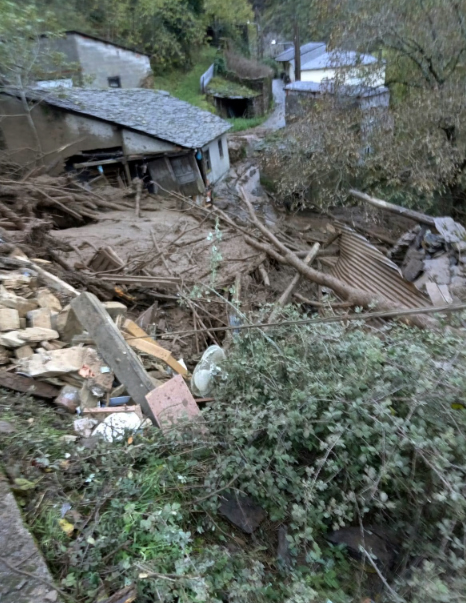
(104,41)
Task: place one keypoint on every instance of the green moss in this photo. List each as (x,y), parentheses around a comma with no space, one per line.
(225,88)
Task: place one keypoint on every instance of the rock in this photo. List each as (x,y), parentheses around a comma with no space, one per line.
(52,364)
(5,355)
(6,427)
(16,339)
(413,264)
(95,370)
(40,318)
(21,304)
(15,280)
(84,427)
(438,270)
(374,540)
(23,323)
(67,324)
(115,309)
(68,398)
(9,319)
(46,299)
(25,351)
(87,398)
(439,294)
(242,511)
(114,427)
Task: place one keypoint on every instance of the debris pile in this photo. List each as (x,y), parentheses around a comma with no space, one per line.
(82,355)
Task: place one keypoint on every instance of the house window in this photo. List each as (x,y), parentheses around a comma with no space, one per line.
(114,82)
(220,149)
(208,163)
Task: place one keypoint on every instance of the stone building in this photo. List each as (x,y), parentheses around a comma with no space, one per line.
(118,133)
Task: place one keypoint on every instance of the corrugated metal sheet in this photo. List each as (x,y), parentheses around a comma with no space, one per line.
(363,266)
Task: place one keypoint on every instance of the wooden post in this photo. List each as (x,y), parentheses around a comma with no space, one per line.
(297,51)
(114,349)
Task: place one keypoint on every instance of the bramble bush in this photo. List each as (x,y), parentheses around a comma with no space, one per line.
(329,426)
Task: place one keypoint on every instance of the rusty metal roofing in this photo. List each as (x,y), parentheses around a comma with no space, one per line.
(363,266)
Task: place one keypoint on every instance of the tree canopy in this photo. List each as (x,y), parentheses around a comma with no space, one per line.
(418,149)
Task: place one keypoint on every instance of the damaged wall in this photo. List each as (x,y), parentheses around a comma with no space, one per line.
(64,134)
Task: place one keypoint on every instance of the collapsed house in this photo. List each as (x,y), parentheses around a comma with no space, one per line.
(118,134)
(96,62)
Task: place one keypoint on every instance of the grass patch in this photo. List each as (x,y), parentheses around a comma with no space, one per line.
(245,123)
(224,87)
(185,84)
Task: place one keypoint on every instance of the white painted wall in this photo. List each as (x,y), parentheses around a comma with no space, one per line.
(100,61)
(134,143)
(220,166)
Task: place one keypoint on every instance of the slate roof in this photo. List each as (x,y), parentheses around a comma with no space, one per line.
(288,55)
(152,112)
(357,90)
(338,58)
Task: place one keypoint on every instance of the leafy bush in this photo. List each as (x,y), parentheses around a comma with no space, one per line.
(331,426)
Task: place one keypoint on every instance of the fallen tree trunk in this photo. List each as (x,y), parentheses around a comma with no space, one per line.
(396,209)
(283,300)
(357,297)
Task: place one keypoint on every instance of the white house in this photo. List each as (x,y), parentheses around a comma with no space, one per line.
(350,68)
(309,51)
(102,64)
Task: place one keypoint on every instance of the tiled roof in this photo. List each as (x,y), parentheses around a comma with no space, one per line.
(288,55)
(151,112)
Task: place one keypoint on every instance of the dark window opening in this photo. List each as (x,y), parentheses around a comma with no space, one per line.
(114,82)
(220,149)
(208,163)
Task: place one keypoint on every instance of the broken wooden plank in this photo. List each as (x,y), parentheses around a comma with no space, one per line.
(138,339)
(145,281)
(25,385)
(114,349)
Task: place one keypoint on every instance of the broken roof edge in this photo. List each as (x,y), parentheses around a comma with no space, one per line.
(104,41)
(34,94)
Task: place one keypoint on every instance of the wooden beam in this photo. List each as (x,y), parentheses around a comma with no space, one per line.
(26,385)
(114,349)
(87,164)
(395,209)
(138,339)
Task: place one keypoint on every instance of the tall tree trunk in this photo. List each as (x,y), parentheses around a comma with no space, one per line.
(297,51)
(32,125)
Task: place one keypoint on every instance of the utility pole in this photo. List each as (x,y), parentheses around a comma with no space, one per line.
(297,50)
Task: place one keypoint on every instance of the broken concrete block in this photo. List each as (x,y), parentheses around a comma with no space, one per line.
(40,318)
(9,320)
(115,309)
(15,302)
(25,351)
(52,364)
(46,299)
(68,398)
(23,323)
(172,402)
(36,334)
(439,294)
(67,324)
(115,426)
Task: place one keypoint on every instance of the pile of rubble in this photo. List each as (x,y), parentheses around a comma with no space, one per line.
(53,341)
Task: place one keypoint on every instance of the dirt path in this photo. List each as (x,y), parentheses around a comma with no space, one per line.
(277,120)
